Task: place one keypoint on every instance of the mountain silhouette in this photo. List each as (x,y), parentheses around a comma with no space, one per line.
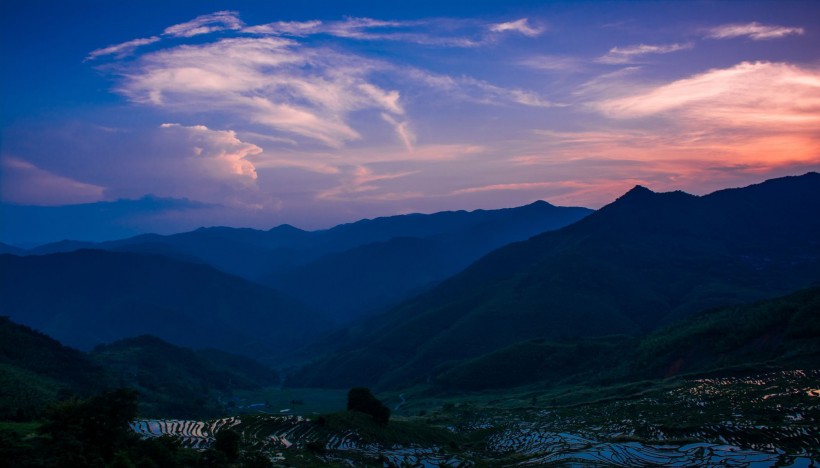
(344,272)
(89,297)
(643,261)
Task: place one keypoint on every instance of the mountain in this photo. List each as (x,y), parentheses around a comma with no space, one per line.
(179,382)
(779,333)
(344,271)
(419,251)
(10,249)
(89,297)
(36,371)
(643,261)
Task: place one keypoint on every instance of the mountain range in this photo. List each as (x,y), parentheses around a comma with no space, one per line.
(352,269)
(90,297)
(644,261)
(596,285)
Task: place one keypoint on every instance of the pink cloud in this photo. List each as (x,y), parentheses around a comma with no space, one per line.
(26,184)
(520,26)
(219,21)
(754,30)
(760,95)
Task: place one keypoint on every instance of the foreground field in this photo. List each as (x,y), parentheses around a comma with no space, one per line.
(767,419)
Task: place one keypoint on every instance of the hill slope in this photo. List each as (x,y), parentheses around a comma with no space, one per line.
(179,382)
(35,369)
(642,261)
(89,297)
(343,272)
(373,276)
(174,382)
(782,333)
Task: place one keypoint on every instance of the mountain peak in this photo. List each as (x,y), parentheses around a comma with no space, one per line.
(540,204)
(285,228)
(639,189)
(638,192)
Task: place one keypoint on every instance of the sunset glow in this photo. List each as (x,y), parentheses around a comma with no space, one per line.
(314,115)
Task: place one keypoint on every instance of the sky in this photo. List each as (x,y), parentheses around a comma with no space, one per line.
(125,117)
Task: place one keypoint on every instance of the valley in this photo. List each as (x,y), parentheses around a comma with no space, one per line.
(757,420)
(663,329)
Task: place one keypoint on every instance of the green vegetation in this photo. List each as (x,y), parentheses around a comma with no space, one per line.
(36,371)
(775,334)
(95,432)
(179,382)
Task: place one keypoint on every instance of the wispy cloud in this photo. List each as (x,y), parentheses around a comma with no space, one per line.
(294,88)
(213,22)
(755,31)
(286,28)
(432,32)
(475,90)
(623,55)
(551,63)
(760,94)
(269,81)
(407,137)
(505,187)
(521,26)
(123,49)
(361,183)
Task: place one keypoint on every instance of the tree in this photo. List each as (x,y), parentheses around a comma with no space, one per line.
(92,431)
(362,400)
(228,441)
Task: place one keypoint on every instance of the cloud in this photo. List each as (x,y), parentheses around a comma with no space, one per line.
(622,55)
(434,32)
(300,91)
(761,95)
(512,186)
(408,138)
(219,152)
(361,180)
(755,31)
(123,49)
(552,63)
(213,22)
(98,221)
(520,26)
(26,184)
(269,81)
(286,28)
(475,90)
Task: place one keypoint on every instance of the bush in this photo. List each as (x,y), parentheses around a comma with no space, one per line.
(362,400)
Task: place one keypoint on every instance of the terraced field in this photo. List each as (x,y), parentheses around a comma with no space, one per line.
(764,420)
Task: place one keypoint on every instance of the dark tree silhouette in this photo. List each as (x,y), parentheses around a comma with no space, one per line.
(362,400)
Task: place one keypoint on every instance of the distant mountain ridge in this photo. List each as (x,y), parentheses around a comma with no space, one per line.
(343,271)
(37,371)
(644,260)
(89,297)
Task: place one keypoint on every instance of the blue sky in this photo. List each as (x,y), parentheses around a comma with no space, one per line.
(165,116)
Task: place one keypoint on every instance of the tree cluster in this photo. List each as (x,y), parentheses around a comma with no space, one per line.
(362,400)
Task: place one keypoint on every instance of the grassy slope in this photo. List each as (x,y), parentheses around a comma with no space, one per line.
(783,332)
